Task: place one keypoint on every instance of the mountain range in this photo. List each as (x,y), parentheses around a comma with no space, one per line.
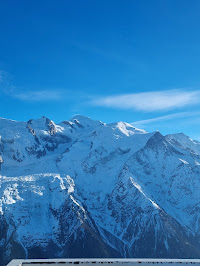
(83,188)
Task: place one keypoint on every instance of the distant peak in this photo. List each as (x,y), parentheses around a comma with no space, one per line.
(157,140)
(6,119)
(178,134)
(126,128)
(41,124)
(183,141)
(42,118)
(157,136)
(83,121)
(81,118)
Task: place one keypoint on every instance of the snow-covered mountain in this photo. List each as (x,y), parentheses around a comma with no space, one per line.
(84,188)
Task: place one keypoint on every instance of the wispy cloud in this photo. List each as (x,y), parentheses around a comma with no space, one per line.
(165,118)
(150,101)
(7,88)
(6,84)
(37,96)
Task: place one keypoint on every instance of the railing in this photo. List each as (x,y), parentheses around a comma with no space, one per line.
(106,262)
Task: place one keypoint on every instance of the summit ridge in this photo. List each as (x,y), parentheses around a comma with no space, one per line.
(84,188)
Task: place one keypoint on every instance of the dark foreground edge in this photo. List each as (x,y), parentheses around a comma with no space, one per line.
(118,262)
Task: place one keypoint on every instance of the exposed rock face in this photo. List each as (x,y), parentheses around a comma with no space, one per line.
(86,189)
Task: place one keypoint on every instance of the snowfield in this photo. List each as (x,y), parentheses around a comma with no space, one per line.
(86,189)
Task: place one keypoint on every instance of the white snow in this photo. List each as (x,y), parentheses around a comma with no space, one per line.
(140,189)
(98,166)
(183,161)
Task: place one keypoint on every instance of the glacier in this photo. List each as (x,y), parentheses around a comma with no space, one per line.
(86,189)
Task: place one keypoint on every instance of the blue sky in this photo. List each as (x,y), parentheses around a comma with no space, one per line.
(135,61)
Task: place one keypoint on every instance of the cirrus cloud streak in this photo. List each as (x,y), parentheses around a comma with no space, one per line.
(150,101)
(165,118)
(37,96)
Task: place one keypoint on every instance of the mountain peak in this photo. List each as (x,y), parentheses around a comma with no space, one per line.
(126,128)
(42,119)
(84,182)
(182,141)
(42,124)
(156,140)
(85,122)
(81,117)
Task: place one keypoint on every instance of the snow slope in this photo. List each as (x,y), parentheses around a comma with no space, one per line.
(84,188)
